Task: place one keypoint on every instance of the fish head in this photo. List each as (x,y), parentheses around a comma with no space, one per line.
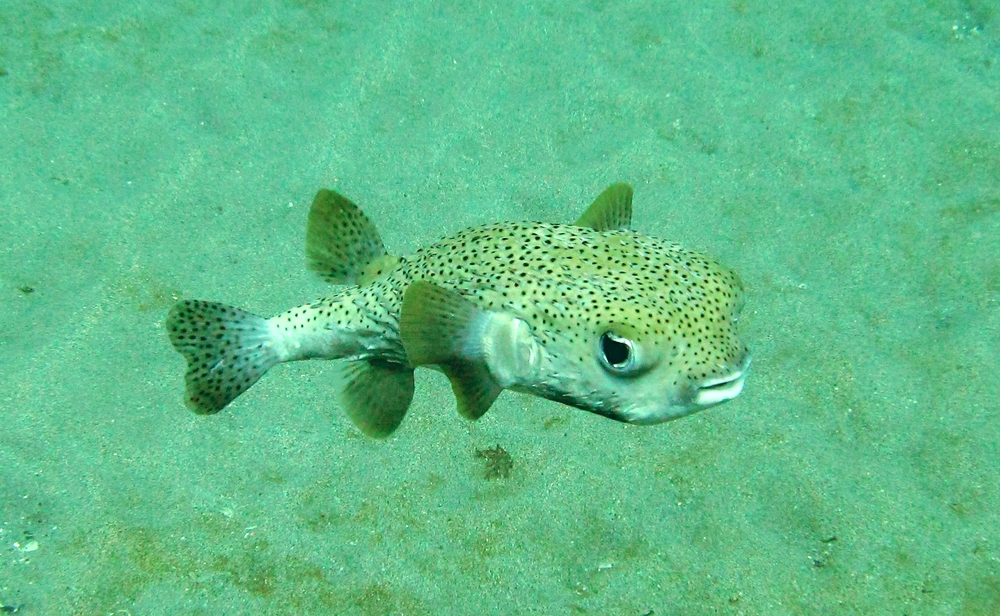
(643,332)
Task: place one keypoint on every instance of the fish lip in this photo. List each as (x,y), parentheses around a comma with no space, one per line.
(697,397)
(719,389)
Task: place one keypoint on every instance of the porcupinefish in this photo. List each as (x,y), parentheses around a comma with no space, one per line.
(591,315)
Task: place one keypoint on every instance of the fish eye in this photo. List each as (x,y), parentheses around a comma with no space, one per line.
(617,353)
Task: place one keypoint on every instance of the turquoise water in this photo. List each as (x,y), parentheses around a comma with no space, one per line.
(845,160)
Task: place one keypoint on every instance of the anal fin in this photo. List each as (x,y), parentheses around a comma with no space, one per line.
(377,395)
(439,327)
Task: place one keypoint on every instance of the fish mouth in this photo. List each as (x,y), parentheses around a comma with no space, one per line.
(719,389)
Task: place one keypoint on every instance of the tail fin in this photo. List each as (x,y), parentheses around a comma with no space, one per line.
(227,350)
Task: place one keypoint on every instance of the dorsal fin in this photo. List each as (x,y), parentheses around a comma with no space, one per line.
(439,327)
(611,210)
(377,267)
(340,240)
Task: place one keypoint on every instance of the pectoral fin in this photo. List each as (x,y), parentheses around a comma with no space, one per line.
(611,210)
(377,395)
(440,327)
(340,240)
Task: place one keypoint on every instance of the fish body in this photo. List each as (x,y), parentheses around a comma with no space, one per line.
(591,314)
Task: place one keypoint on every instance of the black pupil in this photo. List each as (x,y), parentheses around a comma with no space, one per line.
(615,353)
